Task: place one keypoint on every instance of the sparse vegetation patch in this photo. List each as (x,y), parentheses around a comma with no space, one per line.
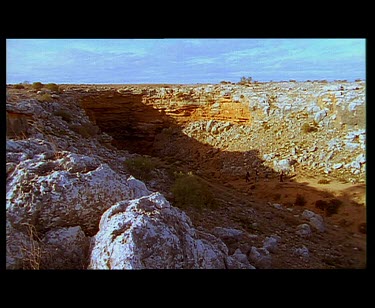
(330,207)
(300,200)
(64,114)
(45,98)
(323,181)
(19,86)
(190,191)
(140,167)
(307,128)
(52,87)
(37,86)
(86,130)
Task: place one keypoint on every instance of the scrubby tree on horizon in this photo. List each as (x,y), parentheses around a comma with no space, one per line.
(246,79)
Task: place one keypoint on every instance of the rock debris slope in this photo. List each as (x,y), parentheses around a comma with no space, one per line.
(56,196)
(71,203)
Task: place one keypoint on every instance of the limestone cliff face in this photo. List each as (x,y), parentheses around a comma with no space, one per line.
(133,119)
(267,118)
(132,124)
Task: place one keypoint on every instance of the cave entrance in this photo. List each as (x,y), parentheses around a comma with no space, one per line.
(132,124)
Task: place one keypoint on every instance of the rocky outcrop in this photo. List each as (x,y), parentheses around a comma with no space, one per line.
(65,248)
(148,233)
(63,191)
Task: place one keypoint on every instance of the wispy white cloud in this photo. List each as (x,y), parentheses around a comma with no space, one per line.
(183,60)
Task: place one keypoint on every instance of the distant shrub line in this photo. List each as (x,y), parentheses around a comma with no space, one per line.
(37,86)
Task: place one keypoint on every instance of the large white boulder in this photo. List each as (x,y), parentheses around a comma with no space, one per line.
(148,233)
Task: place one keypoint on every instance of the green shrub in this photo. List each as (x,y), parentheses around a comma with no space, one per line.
(19,86)
(190,191)
(45,98)
(140,167)
(64,114)
(37,86)
(306,128)
(85,130)
(52,87)
(300,200)
(323,181)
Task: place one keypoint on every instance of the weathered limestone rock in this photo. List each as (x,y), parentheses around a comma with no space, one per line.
(304,230)
(147,233)
(231,237)
(70,191)
(282,165)
(239,261)
(66,248)
(270,243)
(224,233)
(319,116)
(315,220)
(260,257)
(302,251)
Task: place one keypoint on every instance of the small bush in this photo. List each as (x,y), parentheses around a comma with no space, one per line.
(37,86)
(19,86)
(332,207)
(45,98)
(306,128)
(64,114)
(190,191)
(321,204)
(300,200)
(85,130)
(140,167)
(266,126)
(52,87)
(323,181)
(32,252)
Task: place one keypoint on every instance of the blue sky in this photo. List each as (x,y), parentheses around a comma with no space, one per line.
(183,60)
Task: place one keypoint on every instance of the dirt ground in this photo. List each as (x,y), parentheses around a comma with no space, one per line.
(342,245)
